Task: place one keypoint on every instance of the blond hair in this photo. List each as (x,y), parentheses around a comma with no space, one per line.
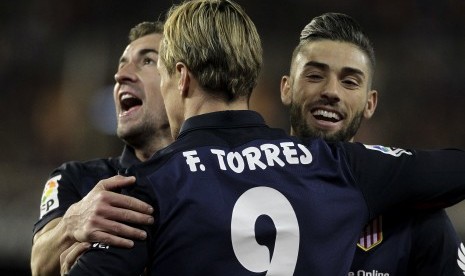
(219,44)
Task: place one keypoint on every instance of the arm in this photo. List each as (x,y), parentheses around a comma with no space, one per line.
(434,247)
(395,178)
(101,259)
(99,216)
(47,245)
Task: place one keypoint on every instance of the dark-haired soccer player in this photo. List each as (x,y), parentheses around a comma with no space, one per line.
(329,93)
(79,203)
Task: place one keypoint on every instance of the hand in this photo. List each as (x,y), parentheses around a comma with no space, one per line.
(69,257)
(101,216)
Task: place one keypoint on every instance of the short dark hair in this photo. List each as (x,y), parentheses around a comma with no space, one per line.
(145,28)
(337,27)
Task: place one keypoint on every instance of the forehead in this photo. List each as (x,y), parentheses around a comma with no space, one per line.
(335,54)
(151,41)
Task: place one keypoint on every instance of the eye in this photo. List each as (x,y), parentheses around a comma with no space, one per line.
(351,83)
(148,61)
(314,77)
(121,64)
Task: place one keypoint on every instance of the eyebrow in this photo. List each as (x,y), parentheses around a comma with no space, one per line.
(345,70)
(141,52)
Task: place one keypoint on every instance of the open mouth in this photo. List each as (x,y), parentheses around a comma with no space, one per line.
(324,115)
(129,101)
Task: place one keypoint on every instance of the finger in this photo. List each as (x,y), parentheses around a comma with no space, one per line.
(128,202)
(112,240)
(116,182)
(126,216)
(116,232)
(69,257)
(76,252)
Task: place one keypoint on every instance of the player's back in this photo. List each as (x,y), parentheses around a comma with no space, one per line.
(234,197)
(235,202)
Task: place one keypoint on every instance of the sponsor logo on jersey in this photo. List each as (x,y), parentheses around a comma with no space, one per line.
(372,234)
(99,245)
(461,257)
(49,200)
(368,273)
(388,150)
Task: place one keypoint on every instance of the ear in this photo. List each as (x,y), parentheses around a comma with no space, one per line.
(286,95)
(371,103)
(184,79)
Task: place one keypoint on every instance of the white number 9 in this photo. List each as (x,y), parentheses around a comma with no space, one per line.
(253,256)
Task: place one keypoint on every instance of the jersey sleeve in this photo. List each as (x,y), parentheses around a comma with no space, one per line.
(397,178)
(58,195)
(103,260)
(435,245)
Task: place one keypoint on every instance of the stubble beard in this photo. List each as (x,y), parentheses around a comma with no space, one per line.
(137,136)
(302,130)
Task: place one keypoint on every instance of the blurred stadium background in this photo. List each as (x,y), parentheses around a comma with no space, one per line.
(58,58)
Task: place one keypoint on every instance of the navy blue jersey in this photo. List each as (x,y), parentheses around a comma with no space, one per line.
(70,182)
(408,243)
(234,197)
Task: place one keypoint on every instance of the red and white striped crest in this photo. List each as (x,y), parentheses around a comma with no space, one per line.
(372,234)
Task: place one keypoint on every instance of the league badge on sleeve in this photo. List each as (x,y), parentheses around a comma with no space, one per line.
(396,152)
(49,199)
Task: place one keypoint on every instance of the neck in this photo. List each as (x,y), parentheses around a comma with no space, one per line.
(205,104)
(160,140)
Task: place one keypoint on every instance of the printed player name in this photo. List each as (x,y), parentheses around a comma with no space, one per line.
(264,156)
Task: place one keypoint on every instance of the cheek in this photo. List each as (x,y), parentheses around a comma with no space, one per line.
(305,92)
(172,108)
(115,94)
(356,105)
(165,87)
(300,98)
(163,90)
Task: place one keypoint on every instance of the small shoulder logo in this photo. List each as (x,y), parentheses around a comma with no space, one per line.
(50,196)
(461,257)
(396,152)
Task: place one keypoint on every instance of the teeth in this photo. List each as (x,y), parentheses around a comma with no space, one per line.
(326,114)
(125,96)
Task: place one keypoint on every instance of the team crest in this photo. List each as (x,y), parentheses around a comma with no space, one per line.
(388,150)
(49,199)
(372,234)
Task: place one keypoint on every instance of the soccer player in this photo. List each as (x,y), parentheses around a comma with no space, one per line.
(79,203)
(329,93)
(235,197)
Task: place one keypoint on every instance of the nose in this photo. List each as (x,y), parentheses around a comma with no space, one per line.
(331,90)
(126,72)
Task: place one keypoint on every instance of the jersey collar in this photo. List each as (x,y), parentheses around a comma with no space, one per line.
(222,119)
(128,157)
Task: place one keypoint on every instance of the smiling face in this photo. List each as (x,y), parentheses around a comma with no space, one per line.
(328,90)
(140,110)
